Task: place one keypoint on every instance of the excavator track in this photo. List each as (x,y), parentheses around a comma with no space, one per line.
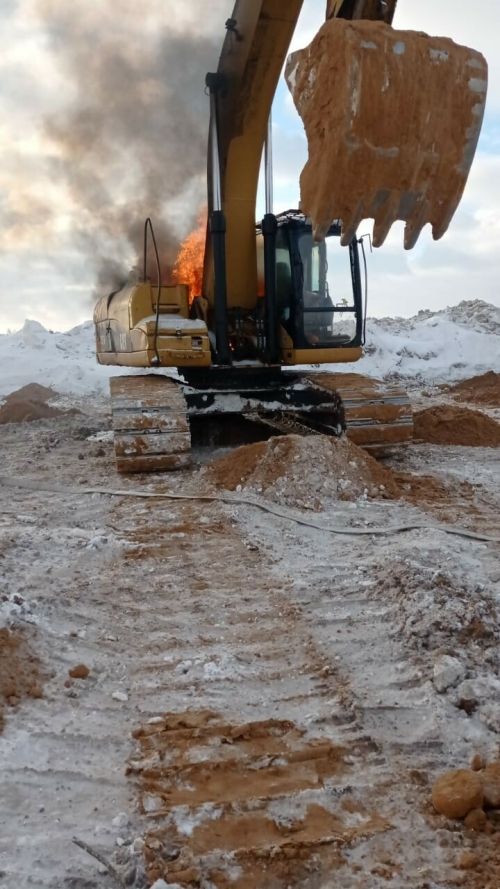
(150,423)
(378,415)
(151,412)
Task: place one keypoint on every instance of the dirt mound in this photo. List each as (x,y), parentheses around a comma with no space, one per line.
(33,392)
(303,472)
(29,404)
(484,389)
(450,425)
(20,673)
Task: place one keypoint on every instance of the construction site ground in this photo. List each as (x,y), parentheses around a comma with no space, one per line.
(262,705)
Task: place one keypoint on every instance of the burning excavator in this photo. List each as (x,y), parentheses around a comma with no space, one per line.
(392,120)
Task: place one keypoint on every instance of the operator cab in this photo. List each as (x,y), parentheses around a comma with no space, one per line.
(318,287)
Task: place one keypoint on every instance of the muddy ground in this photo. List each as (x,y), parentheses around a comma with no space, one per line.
(264,706)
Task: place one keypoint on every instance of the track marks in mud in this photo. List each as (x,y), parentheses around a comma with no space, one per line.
(245,804)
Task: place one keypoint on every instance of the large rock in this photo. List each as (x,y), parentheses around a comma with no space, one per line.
(490,780)
(392,120)
(448,671)
(457,793)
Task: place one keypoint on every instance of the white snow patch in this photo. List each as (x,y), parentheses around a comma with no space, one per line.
(186,819)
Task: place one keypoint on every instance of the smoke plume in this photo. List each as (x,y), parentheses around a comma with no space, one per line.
(130,139)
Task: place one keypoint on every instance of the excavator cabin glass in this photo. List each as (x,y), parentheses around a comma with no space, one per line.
(318,287)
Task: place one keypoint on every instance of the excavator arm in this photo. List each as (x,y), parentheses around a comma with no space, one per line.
(253,54)
(397,142)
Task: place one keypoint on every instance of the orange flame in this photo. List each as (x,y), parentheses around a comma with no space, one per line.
(188,267)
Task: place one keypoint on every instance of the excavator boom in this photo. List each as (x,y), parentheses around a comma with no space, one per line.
(253,54)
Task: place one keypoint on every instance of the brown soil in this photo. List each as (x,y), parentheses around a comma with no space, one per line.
(20,672)
(29,404)
(301,471)
(484,389)
(450,425)
(426,490)
(236,467)
(229,777)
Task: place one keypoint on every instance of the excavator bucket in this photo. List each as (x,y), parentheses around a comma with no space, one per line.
(392,120)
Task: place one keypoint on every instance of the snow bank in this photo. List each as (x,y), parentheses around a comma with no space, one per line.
(65,361)
(431,347)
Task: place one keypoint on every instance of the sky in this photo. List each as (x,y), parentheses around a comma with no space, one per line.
(83,107)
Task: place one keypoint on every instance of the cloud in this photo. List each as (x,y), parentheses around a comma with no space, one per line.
(50,275)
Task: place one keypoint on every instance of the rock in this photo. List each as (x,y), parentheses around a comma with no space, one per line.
(468,861)
(79,672)
(477,762)
(490,715)
(469,693)
(448,671)
(160,884)
(120,696)
(490,780)
(121,820)
(475,820)
(456,793)
(128,874)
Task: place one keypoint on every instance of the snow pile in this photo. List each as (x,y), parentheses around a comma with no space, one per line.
(65,361)
(432,347)
(441,609)
(451,622)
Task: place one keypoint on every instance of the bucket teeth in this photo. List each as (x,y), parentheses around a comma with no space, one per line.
(392,120)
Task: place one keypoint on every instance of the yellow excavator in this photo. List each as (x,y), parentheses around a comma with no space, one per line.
(288,292)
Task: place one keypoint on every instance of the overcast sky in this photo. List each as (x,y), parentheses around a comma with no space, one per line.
(62,200)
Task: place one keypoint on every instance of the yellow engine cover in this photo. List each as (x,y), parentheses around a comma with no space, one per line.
(126,335)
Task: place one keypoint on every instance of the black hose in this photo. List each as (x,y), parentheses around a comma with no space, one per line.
(149,224)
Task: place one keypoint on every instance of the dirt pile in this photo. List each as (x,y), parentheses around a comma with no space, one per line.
(303,472)
(484,389)
(355,90)
(20,672)
(434,607)
(450,425)
(29,404)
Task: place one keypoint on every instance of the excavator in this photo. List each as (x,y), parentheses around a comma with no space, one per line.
(285,296)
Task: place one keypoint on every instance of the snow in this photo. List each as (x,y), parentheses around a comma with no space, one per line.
(432,347)
(176,322)
(452,344)
(66,361)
